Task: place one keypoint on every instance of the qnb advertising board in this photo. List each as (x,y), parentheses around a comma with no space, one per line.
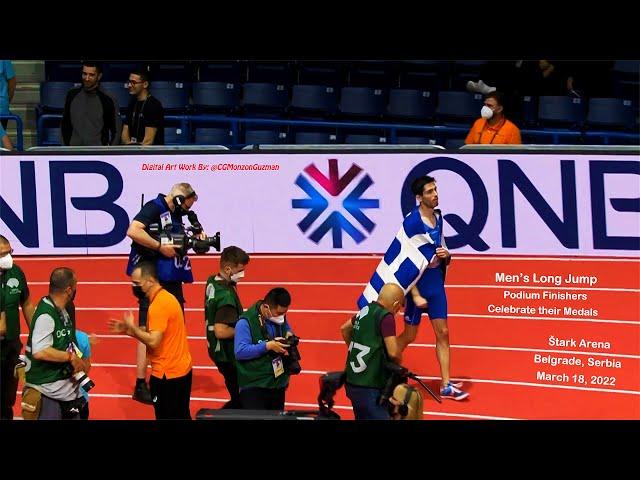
(544,289)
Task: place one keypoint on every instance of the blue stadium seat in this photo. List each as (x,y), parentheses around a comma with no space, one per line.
(380,75)
(172,95)
(51,136)
(119,71)
(53,94)
(627,70)
(459,106)
(415,140)
(63,71)
(321,73)
(310,99)
(364,139)
(362,102)
(171,72)
(529,110)
(213,136)
(264,136)
(120,91)
(561,111)
(453,143)
(628,90)
(265,97)
(280,73)
(315,138)
(428,81)
(610,113)
(175,136)
(228,72)
(410,104)
(216,96)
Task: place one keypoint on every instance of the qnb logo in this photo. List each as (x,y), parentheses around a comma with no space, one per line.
(342,197)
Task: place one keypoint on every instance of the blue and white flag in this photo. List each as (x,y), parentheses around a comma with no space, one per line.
(410,254)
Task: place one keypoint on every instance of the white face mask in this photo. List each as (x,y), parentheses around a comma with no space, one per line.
(237,276)
(279,320)
(6,262)
(486,113)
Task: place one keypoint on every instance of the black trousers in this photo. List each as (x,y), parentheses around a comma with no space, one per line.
(174,288)
(171,397)
(255,398)
(9,352)
(4,122)
(230,374)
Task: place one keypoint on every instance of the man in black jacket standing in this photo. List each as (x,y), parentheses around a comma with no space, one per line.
(91,116)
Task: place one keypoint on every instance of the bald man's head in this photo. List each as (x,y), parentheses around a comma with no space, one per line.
(391,297)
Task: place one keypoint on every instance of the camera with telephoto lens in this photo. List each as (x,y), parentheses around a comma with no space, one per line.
(81,378)
(85,382)
(292,361)
(187,238)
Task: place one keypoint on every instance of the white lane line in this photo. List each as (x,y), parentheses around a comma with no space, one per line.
(421,377)
(359,284)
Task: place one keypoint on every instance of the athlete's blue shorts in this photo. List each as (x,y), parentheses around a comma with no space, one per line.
(431,287)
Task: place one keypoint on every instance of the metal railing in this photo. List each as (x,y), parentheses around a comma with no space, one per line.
(187,122)
(19,128)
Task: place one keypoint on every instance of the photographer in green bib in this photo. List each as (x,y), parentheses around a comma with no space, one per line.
(372,341)
(222,308)
(14,293)
(55,368)
(266,352)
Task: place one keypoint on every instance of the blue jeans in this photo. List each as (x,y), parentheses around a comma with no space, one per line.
(365,403)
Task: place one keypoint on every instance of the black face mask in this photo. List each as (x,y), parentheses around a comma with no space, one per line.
(73,295)
(137,291)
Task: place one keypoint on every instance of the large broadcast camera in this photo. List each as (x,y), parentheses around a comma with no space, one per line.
(400,374)
(187,238)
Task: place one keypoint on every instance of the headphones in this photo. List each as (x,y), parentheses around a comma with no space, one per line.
(179,200)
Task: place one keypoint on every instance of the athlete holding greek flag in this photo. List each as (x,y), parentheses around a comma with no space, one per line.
(417,261)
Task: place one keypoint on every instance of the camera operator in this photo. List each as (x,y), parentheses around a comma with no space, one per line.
(51,392)
(166,211)
(261,350)
(372,341)
(222,308)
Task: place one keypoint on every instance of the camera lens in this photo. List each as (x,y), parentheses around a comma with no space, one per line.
(85,382)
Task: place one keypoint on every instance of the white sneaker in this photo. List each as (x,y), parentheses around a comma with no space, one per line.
(480,87)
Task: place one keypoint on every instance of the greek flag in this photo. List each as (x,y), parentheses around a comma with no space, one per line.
(406,259)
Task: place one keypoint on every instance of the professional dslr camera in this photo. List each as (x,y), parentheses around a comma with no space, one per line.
(81,378)
(187,238)
(291,362)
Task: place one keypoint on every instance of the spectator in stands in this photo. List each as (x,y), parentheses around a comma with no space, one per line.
(222,308)
(144,124)
(5,141)
(166,338)
(173,267)
(258,345)
(7,89)
(493,127)
(91,116)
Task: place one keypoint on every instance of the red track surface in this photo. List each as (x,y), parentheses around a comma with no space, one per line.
(494,353)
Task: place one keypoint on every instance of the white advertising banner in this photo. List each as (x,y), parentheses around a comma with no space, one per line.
(493,203)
